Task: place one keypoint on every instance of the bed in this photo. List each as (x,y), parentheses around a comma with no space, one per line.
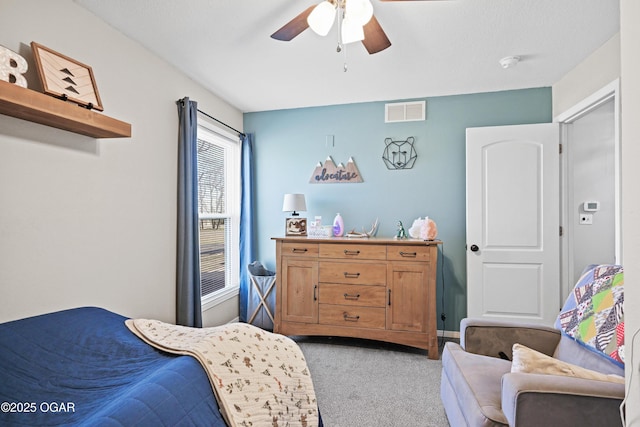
(84,367)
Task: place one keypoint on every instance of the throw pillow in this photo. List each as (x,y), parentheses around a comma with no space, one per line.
(527,360)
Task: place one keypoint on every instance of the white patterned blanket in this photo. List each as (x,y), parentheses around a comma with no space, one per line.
(259,378)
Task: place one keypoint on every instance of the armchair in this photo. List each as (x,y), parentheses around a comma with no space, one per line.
(479,389)
(567,375)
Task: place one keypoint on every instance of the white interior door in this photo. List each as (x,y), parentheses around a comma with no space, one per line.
(513,210)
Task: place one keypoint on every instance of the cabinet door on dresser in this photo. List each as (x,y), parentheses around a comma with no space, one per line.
(407,296)
(299,290)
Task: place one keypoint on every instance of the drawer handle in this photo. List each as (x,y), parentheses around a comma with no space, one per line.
(408,254)
(350,318)
(299,250)
(315,293)
(348,252)
(352,297)
(348,275)
(389,296)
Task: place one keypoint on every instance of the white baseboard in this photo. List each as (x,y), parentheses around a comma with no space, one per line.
(449,334)
(234,320)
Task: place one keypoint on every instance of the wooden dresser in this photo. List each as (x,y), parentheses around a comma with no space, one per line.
(380,289)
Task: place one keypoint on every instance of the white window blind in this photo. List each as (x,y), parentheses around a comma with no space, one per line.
(218,207)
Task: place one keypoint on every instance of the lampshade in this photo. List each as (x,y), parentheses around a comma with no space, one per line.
(321,18)
(293,203)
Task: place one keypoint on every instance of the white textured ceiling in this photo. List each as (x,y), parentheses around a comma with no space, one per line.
(438,47)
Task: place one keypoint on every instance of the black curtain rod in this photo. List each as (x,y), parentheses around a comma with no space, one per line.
(222,123)
(213,118)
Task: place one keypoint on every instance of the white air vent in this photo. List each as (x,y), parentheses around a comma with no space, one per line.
(405,111)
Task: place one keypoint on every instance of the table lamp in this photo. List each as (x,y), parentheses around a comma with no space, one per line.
(294,225)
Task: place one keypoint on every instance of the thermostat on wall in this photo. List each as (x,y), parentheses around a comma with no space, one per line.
(591,206)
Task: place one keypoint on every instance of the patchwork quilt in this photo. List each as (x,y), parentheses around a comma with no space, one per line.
(593,314)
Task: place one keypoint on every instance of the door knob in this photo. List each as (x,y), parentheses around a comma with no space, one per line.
(474,248)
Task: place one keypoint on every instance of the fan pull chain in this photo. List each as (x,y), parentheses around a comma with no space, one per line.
(341,46)
(345,58)
(339,18)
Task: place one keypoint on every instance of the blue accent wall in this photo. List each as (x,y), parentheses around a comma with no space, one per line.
(290,143)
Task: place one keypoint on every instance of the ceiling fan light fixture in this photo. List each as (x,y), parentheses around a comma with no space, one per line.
(321,18)
(359,11)
(351,31)
(356,22)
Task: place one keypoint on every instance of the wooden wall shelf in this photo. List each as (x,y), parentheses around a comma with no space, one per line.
(37,107)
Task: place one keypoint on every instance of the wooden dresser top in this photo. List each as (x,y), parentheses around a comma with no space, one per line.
(359,240)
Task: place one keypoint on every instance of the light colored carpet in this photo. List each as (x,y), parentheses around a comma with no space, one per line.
(361,383)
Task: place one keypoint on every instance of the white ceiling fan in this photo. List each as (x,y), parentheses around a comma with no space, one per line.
(355,19)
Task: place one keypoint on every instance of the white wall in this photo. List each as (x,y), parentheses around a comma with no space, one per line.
(630,80)
(85,221)
(595,72)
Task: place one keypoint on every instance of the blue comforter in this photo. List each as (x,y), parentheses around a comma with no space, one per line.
(84,367)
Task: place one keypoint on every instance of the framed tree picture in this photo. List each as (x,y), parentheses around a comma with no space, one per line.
(66,78)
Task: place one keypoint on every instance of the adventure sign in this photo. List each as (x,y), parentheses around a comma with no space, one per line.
(330,173)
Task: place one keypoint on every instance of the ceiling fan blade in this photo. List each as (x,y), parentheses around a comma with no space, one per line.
(294,27)
(375,38)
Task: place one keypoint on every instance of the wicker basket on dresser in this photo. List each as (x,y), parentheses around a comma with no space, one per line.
(380,289)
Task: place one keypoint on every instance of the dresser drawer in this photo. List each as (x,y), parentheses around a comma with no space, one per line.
(408,253)
(352,251)
(356,295)
(357,317)
(300,249)
(356,273)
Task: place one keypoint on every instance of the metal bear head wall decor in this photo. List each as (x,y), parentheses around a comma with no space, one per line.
(399,154)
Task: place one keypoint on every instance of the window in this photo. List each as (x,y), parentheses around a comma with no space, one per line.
(219,213)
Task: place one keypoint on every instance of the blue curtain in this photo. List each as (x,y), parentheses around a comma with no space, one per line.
(188,306)
(246,222)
